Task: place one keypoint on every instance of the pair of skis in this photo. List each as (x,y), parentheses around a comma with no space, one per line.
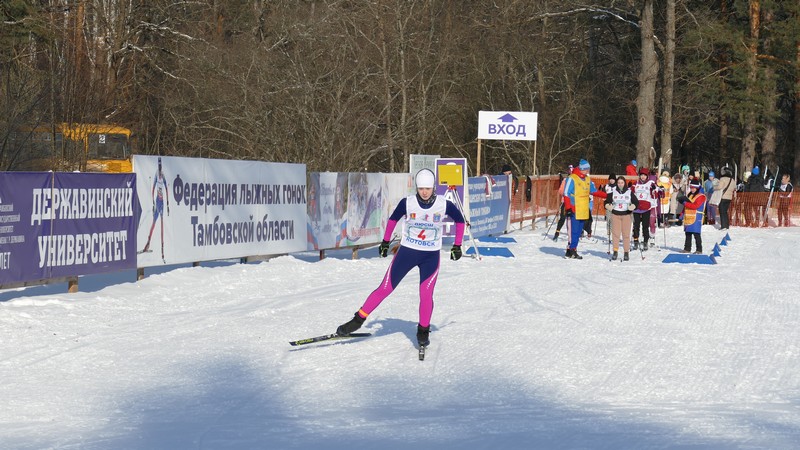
(334,336)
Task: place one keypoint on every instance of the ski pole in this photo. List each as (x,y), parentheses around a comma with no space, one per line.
(555,219)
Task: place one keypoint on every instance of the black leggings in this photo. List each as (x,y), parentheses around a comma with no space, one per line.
(644,220)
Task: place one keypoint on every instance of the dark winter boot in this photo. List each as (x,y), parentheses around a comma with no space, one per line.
(645,247)
(699,251)
(555,236)
(614,256)
(574,254)
(686,250)
(625,256)
(346,328)
(568,254)
(423,335)
(635,245)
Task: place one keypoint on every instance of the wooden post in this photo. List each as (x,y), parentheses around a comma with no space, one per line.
(478,163)
(321,255)
(72,285)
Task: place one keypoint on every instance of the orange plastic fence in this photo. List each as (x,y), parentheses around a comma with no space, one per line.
(748,209)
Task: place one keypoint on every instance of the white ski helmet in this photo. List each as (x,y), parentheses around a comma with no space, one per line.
(425,179)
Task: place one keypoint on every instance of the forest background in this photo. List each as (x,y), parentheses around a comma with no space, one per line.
(359,85)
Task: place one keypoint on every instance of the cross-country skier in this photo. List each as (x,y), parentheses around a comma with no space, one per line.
(784,199)
(645,190)
(620,203)
(420,245)
(562,216)
(578,191)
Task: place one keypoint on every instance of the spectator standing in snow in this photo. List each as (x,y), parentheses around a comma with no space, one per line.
(784,200)
(578,191)
(621,202)
(675,208)
(726,188)
(631,170)
(665,184)
(710,188)
(420,246)
(753,204)
(694,205)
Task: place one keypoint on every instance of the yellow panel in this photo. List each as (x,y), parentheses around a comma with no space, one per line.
(451,175)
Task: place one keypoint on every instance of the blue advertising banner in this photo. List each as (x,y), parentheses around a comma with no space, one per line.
(489,203)
(66,224)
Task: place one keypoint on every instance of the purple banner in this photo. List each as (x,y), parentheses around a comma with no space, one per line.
(451,180)
(66,224)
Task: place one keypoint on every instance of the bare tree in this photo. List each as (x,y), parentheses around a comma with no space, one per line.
(648,77)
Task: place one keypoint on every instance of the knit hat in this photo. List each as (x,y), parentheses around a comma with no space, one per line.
(633,162)
(711,174)
(506,168)
(684,169)
(695,183)
(665,173)
(425,179)
(612,177)
(756,170)
(644,171)
(584,165)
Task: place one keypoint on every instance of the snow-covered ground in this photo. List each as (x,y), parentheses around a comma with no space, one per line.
(531,352)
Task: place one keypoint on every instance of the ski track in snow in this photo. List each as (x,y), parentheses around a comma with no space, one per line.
(531,352)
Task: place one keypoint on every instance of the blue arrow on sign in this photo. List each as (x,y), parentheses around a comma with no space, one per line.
(507,118)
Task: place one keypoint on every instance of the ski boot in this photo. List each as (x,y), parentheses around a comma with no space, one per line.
(614,256)
(346,328)
(423,335)
(555,236)
(645,247)
(573,254)
(635,245)
(625,256)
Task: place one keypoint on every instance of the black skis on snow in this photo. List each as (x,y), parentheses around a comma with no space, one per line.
(328,337)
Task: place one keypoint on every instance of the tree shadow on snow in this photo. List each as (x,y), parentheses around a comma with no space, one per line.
(229,403)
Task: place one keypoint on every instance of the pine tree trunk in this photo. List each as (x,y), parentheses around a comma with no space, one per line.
(669,76)
(648,76)
(749,139)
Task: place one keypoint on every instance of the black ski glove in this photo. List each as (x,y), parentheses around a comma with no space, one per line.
(383,249)
(682,199)
(455,253)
